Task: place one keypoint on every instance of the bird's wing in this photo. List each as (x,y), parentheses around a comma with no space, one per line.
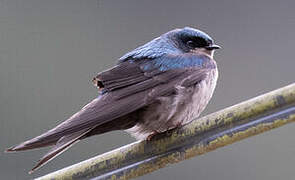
(132,85)
(137,75)
(127,87)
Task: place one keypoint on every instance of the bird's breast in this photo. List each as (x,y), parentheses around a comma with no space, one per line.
(202,95)
(178,109)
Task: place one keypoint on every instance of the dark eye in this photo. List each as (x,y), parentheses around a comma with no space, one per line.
(197,43)
(191,44)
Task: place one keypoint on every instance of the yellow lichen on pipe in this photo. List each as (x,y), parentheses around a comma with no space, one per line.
(205,134)
(201,149)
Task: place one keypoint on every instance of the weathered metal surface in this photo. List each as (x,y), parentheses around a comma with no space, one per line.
(205,134)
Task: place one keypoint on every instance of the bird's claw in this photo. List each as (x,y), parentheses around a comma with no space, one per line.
(149,138)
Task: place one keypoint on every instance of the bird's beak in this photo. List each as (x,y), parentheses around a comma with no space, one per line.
(213,47)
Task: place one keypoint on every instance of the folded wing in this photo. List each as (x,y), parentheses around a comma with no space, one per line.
(129,86)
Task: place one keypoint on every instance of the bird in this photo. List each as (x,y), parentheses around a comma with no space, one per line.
(161,85)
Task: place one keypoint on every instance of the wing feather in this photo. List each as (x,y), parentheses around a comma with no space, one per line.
(129,86)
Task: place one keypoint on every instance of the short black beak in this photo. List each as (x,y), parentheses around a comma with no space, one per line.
(213,47)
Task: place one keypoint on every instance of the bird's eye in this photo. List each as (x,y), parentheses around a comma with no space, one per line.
(191,44)
(196,43)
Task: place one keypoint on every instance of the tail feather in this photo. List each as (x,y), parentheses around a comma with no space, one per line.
(48,138)
(62,144)
(33,144)
(62,140)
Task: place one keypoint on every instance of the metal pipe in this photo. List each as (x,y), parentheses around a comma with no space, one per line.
(205,134)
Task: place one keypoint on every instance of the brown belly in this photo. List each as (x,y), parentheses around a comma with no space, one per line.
(178,109)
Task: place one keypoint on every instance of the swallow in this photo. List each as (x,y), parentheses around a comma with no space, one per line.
(161,85)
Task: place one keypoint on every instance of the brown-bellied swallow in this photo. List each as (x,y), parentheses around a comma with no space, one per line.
(158,86)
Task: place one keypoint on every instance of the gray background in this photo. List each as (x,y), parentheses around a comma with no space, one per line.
(50,50)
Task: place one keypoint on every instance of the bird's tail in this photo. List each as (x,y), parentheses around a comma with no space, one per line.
(60,144)
(37,142)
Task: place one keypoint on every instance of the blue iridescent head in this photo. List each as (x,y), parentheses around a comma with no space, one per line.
(189,39)
(177,41)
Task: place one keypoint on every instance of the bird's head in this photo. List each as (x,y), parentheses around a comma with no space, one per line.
(177,41)
(190,40)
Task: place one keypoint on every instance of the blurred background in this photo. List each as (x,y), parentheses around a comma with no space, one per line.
(50,50)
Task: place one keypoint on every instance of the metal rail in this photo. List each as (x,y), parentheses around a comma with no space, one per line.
(208,133)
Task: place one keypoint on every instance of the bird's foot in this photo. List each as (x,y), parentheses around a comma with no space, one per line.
(149,138)
(164,133)
(177,126)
